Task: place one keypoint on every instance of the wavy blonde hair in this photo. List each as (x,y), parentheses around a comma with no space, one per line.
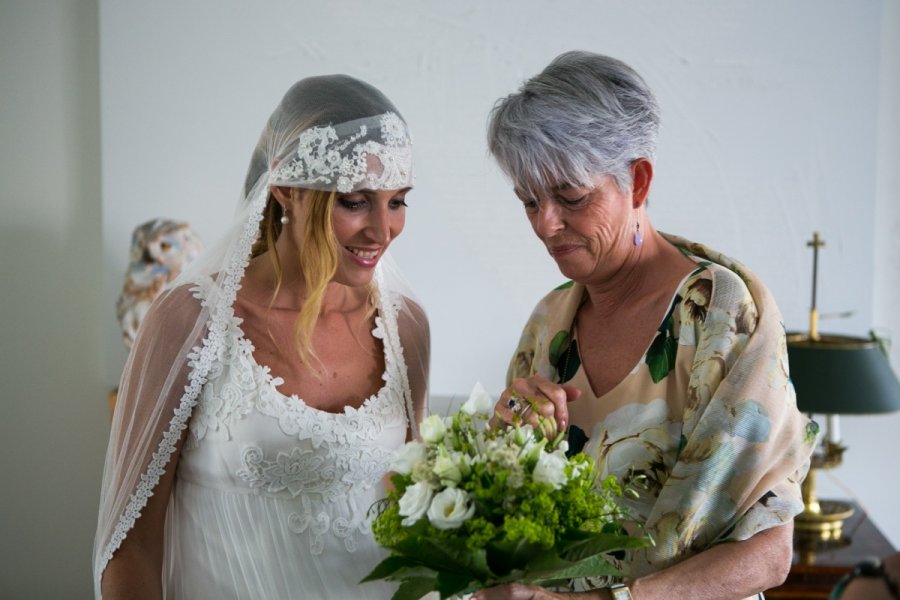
(318,260)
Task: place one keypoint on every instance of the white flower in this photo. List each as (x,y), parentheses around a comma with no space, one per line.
(480,445)
(551,469)
(433,429)
(521,435)
(479,401)
(415,501)
(532,449)
(447,470)
(407,456)
(450,508)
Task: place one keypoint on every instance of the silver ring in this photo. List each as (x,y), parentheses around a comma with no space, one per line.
(514,404)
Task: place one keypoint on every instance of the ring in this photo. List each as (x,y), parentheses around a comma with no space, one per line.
(514,404)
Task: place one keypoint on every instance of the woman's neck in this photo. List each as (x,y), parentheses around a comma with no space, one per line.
(645,272)
(261,279)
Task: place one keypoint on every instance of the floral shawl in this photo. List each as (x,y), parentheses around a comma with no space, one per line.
(708,416)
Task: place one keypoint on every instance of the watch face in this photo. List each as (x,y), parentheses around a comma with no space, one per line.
(621,593)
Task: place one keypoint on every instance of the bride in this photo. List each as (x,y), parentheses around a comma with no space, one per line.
(269,384)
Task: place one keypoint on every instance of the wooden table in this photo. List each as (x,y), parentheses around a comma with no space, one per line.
(817,566)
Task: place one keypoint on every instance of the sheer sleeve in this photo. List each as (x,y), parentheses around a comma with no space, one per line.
(415,337)
(152,411)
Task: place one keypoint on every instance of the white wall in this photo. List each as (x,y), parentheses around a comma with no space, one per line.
(779,118)
(54,422)
(754,150)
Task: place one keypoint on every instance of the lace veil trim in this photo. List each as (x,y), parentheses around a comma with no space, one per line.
(201,359)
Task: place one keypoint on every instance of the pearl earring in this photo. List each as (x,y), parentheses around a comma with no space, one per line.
(285,220)
(638,238)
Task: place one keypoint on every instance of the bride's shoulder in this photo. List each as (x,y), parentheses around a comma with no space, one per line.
(412,321)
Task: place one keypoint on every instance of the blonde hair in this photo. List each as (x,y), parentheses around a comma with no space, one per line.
(318,260)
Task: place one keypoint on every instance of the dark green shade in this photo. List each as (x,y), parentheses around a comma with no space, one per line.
(842,375)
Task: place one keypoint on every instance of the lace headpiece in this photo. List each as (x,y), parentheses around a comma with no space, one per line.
(373,152)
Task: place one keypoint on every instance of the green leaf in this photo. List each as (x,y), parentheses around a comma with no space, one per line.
(661,355)
(505,556)
(558,345)
(396,568)
(445,555)
(414,588)
(592,566)
(600,543)
(451,584)
(388,567)
(571,362)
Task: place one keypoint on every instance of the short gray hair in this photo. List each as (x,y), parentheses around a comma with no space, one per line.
(584,115)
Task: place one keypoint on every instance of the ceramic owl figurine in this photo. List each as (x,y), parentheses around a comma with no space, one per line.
(159,251)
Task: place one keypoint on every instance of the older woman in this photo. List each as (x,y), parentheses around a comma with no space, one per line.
(665,360)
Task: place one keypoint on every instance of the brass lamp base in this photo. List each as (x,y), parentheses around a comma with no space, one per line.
(822,520)
(827,524)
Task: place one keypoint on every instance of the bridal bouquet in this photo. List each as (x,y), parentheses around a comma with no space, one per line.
(475,507)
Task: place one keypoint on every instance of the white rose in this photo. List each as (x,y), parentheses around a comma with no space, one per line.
(450,508)
(433,429)
(415,501)
(447,470)
(407,456)
(479,401)
(551,469)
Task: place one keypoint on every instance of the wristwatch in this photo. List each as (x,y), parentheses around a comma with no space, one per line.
(620,591)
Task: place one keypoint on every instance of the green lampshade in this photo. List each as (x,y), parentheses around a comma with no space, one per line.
(841,375)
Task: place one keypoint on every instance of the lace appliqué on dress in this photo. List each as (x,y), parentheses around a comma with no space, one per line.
(300,472)
(308,475)
(311,473)
(224,401)
(317,524)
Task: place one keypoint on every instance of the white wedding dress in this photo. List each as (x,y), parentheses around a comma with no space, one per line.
(271,497)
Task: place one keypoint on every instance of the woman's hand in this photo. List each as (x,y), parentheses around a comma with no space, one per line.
(518,591)
(534,397)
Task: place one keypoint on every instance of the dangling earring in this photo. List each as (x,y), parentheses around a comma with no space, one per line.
(284,219)
(638,238)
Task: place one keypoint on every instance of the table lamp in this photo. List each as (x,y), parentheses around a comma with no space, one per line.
(835,375)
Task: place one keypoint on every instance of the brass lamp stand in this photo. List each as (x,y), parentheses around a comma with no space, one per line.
(834,375)
(822,519)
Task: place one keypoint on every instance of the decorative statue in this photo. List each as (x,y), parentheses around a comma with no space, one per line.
(160,249)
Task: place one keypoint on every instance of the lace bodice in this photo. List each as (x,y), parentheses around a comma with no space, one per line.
(268,443)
